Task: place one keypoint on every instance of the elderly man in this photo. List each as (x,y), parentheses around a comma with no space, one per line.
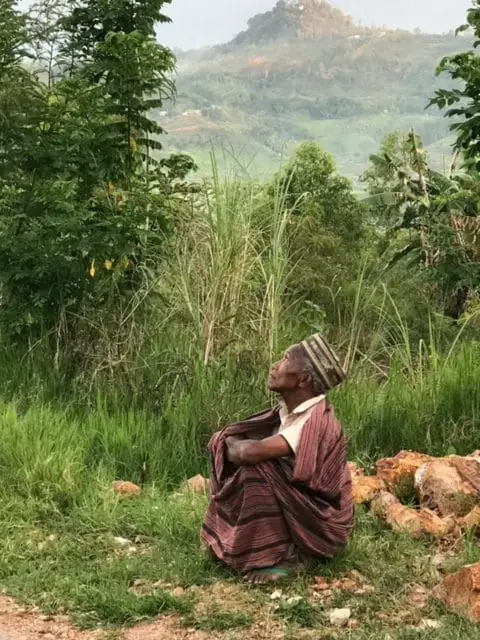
(280,488)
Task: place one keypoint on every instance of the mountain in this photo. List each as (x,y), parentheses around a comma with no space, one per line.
(297,19)
(304,70)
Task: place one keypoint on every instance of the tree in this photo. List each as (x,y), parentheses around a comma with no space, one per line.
(326,231)
(462,103)
(435,216)
(85,207)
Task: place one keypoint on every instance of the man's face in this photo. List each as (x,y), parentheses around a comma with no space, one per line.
(286,374)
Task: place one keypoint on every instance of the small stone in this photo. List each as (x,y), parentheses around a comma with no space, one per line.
(126,489)
(426,624)
(122,542)
(294,600)
(321,584)
(198,484)
(418,596)
(276,595)
(178,592)
(439,561)
(340,617)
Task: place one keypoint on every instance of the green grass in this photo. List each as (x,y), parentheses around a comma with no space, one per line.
(73,565)
(54,455)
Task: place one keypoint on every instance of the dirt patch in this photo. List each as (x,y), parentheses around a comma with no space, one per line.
(18,623)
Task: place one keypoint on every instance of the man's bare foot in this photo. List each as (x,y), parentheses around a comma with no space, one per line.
(266,576)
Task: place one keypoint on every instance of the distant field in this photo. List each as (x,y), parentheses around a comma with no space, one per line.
(350,140)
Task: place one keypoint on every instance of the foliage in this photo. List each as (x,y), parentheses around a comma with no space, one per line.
(461,102)
(84,208)
(325,231)
(438,212)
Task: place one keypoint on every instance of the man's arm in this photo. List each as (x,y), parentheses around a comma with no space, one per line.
(248,452)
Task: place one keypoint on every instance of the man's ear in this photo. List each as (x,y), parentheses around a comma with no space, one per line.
(304,380)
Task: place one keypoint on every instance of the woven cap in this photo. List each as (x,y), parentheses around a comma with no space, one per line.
(325,361)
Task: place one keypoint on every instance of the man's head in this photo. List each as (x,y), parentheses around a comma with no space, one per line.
(310,368)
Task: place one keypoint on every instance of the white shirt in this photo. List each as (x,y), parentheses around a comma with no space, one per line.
(291,424)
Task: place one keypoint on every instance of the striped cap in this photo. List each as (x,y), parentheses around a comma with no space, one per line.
(325,361)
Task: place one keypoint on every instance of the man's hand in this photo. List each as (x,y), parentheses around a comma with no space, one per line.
(248,452)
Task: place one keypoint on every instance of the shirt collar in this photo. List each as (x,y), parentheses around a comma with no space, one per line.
(305,406)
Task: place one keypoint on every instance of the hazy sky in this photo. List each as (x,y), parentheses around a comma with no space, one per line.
(201,22)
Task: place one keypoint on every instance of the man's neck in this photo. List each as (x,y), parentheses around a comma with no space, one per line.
(295,399)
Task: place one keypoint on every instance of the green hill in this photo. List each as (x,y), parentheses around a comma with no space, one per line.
(304,70)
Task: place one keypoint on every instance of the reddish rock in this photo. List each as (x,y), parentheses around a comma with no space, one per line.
(471,520)
(383,501)
(435,526)
(364,488)
(399,472)
(127,489)
(449,485)
(460,592)
(400,518)
(408,520)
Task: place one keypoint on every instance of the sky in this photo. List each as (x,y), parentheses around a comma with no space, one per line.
(198,23)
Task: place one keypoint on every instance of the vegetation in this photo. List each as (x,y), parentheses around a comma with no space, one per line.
(308,74)
(462,99)
(140,308)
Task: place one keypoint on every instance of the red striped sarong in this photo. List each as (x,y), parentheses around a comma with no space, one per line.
(258,513)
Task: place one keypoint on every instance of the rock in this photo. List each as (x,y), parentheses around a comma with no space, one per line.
(399,517)
(321,584)
(449,485)
(460,592)
(418,596)
(294,600)
(399,472)
(340,617)
(122,542)
(408,520)
(471,520)
(276,595)
(429,625)
(364,488)
(435,526)
(197,484)
(382,501)
(441,561)
(178,592)
(127,489)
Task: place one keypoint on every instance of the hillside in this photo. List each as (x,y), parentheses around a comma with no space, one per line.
(305,70)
